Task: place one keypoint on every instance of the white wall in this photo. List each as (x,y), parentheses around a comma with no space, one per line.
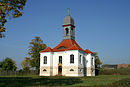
(53,60)
(82,64)
(90,67)
(49,59)
(46,66)
(67,56)
(65,61)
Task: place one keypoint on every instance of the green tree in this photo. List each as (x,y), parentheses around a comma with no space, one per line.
(1,65)
(11,9)
(26,64)
(97,60)
(8,64)
(36,45)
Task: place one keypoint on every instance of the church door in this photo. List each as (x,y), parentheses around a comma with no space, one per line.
(60,70)
(60,66)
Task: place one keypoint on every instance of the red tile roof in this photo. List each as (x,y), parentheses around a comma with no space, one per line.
(88,51)
(74,47)
(48,49)
(66,45)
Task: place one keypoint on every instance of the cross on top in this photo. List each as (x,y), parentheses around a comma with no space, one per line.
(68,11)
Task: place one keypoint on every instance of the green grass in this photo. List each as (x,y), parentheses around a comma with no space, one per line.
(36,81)
(101,80)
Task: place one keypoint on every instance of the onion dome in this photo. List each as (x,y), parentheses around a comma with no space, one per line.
(68,20)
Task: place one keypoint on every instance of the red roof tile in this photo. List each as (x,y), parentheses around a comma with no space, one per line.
(88,51)
(66,45)
(48,49)
(74,47)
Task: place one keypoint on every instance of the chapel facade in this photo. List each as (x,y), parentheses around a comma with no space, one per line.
(67,58)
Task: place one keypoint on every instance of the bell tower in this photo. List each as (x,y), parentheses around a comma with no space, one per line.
(68,27)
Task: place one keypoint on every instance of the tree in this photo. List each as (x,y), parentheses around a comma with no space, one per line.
(26,64)
(1,65)
(36,45)
(97,60)
(10,8)
(8,64)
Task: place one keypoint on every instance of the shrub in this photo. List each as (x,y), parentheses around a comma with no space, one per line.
(120,83)
(122,71)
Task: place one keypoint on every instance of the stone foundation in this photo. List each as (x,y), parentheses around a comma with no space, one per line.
(53,71)
(67,71)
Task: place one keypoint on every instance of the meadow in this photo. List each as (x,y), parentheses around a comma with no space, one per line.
(37,81)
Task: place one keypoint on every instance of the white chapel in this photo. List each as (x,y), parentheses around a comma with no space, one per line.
(67,58)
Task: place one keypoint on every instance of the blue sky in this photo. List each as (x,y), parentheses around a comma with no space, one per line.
(102,26)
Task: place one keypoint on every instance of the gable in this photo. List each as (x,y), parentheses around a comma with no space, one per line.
(61,47)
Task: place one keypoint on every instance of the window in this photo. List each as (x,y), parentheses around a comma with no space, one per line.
(80,70)
(86,61)
(60,59)
(92,61)
(66,31)
(44,70)
(80,59)
(92,70)
(71,31)
(45,60)
(71,58)
(71,69)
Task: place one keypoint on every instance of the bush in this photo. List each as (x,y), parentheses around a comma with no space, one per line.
(122,71)
(120,83)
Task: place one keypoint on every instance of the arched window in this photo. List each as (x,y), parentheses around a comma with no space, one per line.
(92,61)
(71,69)
(44,70)
(71,58)
(71,31)
(60,59)
(45,60)
(66,31)
(80,59)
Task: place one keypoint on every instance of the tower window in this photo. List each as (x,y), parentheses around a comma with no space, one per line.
(45,60)
(71,31)
(60,59)
(71,58)
(66,31)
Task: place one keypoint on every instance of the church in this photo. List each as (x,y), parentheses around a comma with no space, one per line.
(67,58)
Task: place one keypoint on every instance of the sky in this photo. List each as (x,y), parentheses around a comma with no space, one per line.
(102,26)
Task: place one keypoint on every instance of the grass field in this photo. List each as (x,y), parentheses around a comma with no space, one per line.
(36,81)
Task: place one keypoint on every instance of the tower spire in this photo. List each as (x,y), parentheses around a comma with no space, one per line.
(68,11)
(68,27)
